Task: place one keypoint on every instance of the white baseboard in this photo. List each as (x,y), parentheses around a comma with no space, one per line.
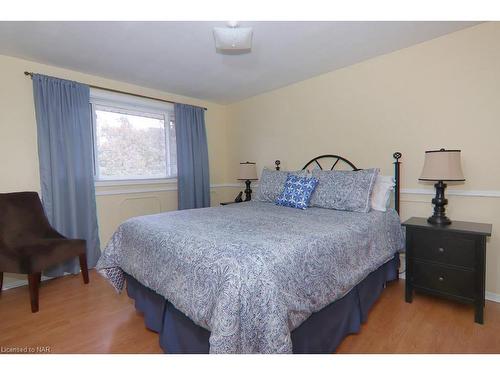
(18,283)
(494,297)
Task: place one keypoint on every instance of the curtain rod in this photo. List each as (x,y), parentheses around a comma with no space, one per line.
(30,74)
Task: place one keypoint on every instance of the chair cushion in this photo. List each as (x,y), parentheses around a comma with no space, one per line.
(38,255)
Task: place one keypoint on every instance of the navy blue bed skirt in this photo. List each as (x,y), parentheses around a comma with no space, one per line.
(322,332)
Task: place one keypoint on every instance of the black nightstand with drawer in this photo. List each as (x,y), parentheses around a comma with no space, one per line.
(447,261)
(227,203)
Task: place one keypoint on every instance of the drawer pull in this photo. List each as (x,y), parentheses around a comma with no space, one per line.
(441,278)
(441,250)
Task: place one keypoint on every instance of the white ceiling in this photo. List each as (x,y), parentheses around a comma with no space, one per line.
(180,57)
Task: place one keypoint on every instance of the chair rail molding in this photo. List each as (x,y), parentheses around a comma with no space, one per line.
(455,192)
(173,187)
(141,190)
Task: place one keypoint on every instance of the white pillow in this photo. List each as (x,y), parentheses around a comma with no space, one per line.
(381,193)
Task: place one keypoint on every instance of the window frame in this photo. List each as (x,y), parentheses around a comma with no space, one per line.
(131,103)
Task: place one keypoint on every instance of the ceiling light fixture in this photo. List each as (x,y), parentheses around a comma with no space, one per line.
(233,39)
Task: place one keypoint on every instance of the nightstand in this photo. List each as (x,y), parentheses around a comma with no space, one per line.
(447,261)
(226,203)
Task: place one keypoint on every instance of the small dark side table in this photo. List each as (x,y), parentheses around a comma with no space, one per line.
(447,261)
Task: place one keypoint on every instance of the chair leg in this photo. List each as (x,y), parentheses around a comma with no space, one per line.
(33,281)
(1,282)
(84,268)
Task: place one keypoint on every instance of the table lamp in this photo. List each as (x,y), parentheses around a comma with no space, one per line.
(441,165)
(248,173)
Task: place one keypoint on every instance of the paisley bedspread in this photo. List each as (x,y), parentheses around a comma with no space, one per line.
(251,272)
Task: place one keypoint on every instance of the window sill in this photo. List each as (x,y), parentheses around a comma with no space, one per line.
(158,181)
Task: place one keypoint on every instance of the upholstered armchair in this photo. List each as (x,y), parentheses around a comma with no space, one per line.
(29,245)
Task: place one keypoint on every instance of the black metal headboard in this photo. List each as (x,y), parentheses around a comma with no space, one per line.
(336,159)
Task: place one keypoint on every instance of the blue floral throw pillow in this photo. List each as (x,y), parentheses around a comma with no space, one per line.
(297,192)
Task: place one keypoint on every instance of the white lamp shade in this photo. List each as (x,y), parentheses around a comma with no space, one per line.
(442,165)
(248,171)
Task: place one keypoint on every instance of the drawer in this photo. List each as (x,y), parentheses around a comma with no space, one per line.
(447,248)
(443,279)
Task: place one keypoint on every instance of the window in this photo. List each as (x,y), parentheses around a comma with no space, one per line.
(134,139)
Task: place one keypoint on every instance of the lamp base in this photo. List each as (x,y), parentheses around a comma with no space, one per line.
(439,217)
(439,220)
(248,191)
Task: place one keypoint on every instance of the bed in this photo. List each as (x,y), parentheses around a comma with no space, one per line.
(255,277)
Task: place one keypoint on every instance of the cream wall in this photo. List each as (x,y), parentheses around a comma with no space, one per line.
(19,158)
(441,93)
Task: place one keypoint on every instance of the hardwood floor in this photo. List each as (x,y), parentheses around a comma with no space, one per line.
(427,325)
(75,318)
(78,318)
